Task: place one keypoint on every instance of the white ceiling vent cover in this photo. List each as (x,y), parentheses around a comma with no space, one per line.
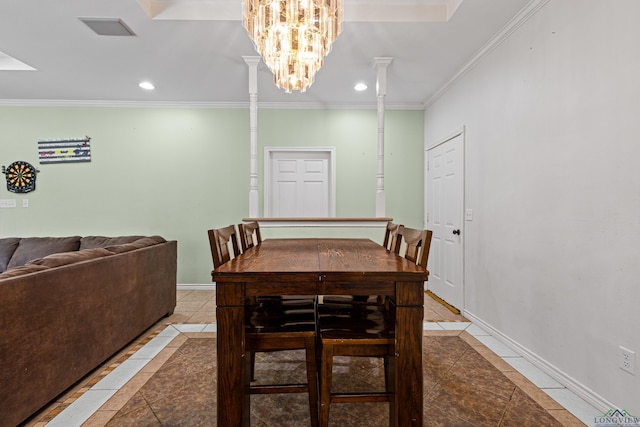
(108,26)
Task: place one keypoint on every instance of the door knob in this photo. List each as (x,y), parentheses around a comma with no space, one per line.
(456,232)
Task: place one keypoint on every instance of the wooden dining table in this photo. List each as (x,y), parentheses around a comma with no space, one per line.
(321,266)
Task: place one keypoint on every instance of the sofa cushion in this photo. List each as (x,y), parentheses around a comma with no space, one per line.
(22,270)
(64,258)
(31,248)
(8,246)
(140,243)
(89,242)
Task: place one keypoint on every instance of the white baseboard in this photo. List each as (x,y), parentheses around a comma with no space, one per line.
(196,286)
(569,382)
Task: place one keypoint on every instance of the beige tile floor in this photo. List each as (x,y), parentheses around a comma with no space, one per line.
(197,307)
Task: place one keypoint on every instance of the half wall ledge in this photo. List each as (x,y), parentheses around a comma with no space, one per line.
(320,222)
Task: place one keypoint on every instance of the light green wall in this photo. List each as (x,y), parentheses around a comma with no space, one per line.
(179,172)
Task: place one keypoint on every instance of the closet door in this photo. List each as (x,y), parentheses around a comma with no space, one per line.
(299,184)
(445,207)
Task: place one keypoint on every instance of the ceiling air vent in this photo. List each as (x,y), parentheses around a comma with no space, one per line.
(108,26)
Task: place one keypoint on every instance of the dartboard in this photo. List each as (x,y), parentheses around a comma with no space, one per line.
(21,177)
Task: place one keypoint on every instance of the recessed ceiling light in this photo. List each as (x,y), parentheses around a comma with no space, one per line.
(147,85)
(360,87)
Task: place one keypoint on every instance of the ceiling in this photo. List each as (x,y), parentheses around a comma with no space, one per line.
(192,51)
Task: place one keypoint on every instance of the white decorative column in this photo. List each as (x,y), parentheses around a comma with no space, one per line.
(381,65)
(252,62)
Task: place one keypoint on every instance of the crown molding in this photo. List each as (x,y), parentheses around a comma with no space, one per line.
(320,106)
(516,22)
(116,104)
(219,105)
(353,10)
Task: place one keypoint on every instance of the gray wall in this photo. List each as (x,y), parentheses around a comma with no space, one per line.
(552,176)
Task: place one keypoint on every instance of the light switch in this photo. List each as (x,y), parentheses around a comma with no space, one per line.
(468,214)
(25,203)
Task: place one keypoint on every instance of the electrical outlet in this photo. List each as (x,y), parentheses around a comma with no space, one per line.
(627,360)
(7,203)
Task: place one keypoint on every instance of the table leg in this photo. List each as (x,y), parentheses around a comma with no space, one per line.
(233,402)
(408,360)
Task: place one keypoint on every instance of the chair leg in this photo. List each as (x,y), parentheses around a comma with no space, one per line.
(389,385)
(312,379)
(387,375)
(252,358)
(248,365)
(326,369)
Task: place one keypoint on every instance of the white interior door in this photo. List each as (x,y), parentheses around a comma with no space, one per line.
(445,207)
(300,184)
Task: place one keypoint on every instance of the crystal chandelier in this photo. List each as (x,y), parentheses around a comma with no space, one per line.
(293,37)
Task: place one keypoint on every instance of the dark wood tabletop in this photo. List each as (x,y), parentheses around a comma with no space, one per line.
(319,267)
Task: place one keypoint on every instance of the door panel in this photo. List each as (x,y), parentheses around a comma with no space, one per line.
(315,195)
(284,194)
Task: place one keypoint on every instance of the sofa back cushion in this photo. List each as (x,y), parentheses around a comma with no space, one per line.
(65,258)
(22,270)
(90,242)
(31,248)
(138,244)
(7,248)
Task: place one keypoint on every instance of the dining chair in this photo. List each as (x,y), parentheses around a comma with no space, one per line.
(249,234)
(389,242)
(391,236)
(219,241)
(365,332)
(270,328)
(417,244)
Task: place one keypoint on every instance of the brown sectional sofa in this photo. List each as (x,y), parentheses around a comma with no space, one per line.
(68,304)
